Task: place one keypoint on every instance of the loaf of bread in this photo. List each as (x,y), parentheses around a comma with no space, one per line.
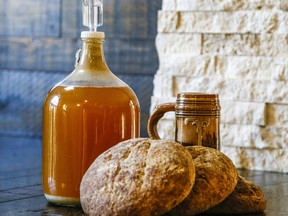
(246,198)
(216,178)
(155,177)
(138,177)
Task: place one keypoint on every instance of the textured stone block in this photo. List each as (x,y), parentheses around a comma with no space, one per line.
(277,114)
(232,89)
(252,67)
(179,43)
(239,45)
(167,21)
(246,44)
(166,129)
(229,67)
(187,64)
(169,5)
(253,136)
(261,21)
(237,112)
(218,5)
(258,159)
(163,85)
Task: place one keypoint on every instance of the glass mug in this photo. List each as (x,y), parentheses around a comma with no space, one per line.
(197,119)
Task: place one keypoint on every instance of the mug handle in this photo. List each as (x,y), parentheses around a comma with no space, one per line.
(156,115)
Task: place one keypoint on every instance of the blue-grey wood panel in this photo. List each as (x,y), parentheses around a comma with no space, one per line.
(131,56)
(22,154)
(125,56)
(47,54)
(30,18)
(130,18)
(70,18)
(22,96)
(38,41)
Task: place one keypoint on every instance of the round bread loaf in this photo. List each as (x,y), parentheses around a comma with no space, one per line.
(247,198)
(138,177)
(216,178)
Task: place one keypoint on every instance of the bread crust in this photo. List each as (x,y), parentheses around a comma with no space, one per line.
(138,177)
(247,198)
(216,178)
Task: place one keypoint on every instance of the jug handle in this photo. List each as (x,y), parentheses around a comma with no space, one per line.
(156,115)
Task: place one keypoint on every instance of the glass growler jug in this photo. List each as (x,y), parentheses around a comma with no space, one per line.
(85,114)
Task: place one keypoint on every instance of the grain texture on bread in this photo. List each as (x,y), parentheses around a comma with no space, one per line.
(216,178)
(246,198)
(138,177)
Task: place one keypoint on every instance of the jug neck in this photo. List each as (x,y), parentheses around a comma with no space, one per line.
(92,55)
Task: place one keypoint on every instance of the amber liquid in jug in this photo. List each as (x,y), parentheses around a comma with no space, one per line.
(81,119)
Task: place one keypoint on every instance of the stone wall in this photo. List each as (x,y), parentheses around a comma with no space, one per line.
(238,49)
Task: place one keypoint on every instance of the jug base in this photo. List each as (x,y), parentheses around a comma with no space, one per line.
(63,201)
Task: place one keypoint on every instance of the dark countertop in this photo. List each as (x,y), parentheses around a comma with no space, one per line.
(21,190)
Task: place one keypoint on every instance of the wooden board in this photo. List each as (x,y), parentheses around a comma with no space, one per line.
(130,18)
(30,18)
(38,41)
(130,56)
(31,54)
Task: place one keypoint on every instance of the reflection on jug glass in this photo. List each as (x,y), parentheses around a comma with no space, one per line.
(197,119)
